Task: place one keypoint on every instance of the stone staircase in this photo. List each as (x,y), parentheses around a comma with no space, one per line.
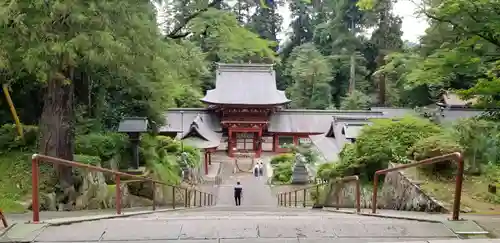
(257,224)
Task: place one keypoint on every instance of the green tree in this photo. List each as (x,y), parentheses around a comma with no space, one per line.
(310,73)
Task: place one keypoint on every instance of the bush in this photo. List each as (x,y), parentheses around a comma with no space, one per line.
(480,140)
(10,140)
(282,158)
(325,170)
(103,145)
(87,159)
(283,172)
(435,146)
(384,141)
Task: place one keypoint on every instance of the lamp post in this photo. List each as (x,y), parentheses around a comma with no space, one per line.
(182,131)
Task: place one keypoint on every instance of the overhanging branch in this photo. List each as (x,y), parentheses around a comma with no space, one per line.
(488,38)
(176,32)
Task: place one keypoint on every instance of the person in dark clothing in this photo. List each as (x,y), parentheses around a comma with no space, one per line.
(238,190)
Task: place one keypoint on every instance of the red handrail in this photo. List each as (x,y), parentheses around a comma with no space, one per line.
(457,157)
(37,158)
(282,196)
(4,220)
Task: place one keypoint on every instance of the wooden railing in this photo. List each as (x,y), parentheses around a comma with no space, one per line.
(286,198)
(457,157)
(4,220)
(199,197)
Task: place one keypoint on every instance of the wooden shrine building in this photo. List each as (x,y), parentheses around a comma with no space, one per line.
(247,113)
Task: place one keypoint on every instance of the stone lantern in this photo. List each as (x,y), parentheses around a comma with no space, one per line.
(300,175)
(134,126)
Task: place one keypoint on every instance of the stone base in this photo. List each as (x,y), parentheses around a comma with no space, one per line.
(139,171)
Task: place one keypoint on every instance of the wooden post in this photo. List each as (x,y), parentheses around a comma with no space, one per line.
(206,162)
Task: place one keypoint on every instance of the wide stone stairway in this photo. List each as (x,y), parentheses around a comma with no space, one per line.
(258,220)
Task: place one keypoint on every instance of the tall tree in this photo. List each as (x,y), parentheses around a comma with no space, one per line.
(310,73)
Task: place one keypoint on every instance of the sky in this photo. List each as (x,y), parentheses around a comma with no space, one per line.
(413,26)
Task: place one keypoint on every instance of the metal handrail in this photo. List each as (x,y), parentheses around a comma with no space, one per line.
(282,196)
(35,170)
(4,220)
(457,157)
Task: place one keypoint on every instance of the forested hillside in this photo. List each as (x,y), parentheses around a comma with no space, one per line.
(77,67)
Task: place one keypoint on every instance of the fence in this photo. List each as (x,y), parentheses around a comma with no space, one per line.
(309,196)
(457,157)
(4,220)
(202,198)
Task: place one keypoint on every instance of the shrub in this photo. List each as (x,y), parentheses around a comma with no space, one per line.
(283,172)
(87,159)
(102,145)
(384,141)
(325,170)
(282,158)
(480,140)
(435,146)
(10,140)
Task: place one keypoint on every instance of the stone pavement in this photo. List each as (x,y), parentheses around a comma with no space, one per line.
(246,224)
(258,220)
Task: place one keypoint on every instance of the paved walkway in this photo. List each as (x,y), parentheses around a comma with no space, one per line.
(265,225)
(255,190)
(257,220)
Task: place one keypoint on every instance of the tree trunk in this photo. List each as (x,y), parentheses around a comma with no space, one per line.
(57,135)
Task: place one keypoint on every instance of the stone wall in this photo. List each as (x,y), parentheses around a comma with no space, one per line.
(398,192)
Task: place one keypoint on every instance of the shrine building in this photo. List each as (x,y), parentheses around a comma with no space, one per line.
(247,113)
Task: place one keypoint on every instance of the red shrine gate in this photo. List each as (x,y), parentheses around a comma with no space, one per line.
(244,129)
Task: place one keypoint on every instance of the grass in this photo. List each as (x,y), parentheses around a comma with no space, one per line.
(475,195)
(15,180)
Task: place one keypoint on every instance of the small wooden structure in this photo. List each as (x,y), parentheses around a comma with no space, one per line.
(134,126)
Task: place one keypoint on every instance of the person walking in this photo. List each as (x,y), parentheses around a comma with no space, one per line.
(256,170)
(238,191)
(261,169)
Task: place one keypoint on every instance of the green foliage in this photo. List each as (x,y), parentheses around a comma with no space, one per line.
(357,100)
(282,172)
(15,179)
(103,145)
(384,141)
(435,146)
(282,158)
(282,168)
(226,40)
(324,171)
(310,74)
(87,159)
(480,140)
(10,140)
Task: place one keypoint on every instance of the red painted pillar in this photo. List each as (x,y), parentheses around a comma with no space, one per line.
(210,158)
(275,143)
(206,163)
(296,140)
(259,144)
(230,143)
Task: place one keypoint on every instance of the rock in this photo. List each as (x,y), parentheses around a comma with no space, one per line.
(94,188)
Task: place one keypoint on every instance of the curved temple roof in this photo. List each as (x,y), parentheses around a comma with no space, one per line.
(245,84)
(200,135)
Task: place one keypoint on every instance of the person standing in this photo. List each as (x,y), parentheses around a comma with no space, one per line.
(261,169)
(238,191)
(256,170)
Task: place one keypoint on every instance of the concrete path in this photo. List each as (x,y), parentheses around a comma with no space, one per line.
(255,190)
